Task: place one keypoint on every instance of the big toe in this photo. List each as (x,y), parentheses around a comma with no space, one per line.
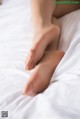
(30,60)
(29,89)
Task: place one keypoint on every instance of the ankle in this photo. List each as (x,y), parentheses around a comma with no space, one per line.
(41,26)
(45,27)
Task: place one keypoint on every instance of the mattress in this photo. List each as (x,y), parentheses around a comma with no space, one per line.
(61,100)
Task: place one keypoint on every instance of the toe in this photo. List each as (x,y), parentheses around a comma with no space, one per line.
(32,66)
(28,90)
(30,59)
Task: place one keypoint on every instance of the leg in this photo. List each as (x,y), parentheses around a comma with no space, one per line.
(61,10)
(38,82)
(45,30)
(64,9)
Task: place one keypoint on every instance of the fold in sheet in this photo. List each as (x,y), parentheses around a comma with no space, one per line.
(61,100)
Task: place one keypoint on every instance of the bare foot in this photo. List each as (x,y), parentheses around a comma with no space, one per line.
(40,78)
(41,40)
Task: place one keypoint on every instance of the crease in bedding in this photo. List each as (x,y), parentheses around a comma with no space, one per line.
(61,100)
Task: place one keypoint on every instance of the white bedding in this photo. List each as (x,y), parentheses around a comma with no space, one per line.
(62,98)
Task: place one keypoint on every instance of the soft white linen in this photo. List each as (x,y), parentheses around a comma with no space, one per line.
(62,98)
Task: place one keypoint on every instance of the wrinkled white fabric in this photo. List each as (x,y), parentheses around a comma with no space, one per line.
(61,100)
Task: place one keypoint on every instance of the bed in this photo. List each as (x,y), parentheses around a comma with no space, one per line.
(61,100)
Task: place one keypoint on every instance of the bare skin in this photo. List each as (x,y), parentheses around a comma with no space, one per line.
(44,28)
(40,78)
(46,38)
(42,16)
(51,32)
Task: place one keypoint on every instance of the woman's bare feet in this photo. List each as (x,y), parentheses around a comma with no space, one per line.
(42,39)
(40,78)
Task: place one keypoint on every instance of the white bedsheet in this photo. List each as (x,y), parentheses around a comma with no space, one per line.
(62,98)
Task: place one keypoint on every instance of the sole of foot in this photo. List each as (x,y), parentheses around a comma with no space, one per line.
(48,35)
(42,73)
